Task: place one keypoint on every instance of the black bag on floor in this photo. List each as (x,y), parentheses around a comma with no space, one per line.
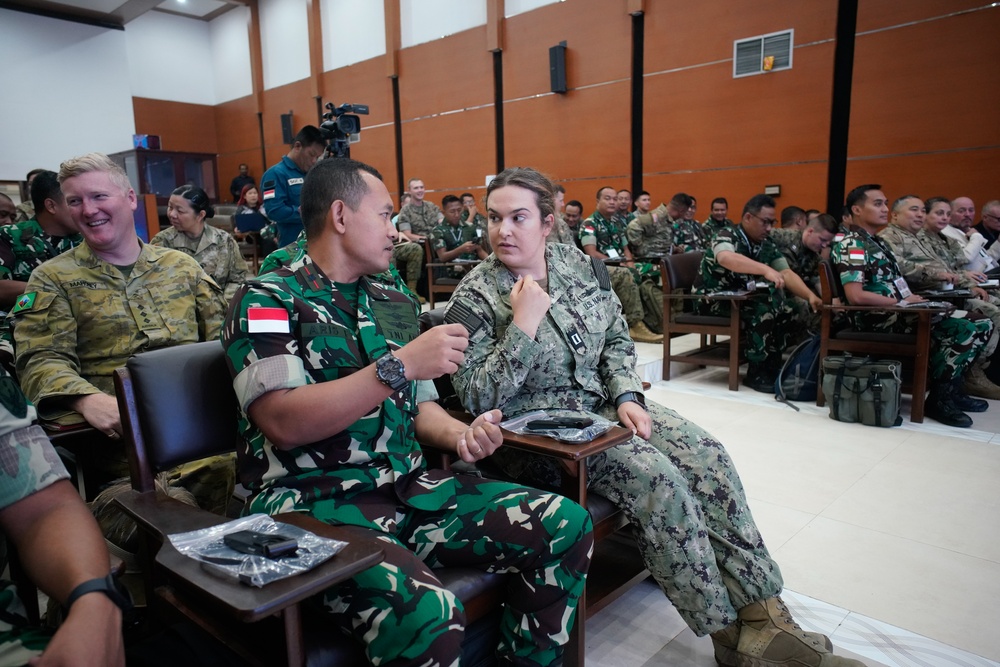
(862,389)
(799,376)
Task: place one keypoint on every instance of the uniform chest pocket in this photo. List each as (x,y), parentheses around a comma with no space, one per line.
(329,350)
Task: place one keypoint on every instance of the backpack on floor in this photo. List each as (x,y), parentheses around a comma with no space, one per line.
(799,376)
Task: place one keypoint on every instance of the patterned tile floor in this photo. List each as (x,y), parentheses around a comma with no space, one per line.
(888,538)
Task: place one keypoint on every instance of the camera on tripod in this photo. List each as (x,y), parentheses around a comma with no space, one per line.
(341,127)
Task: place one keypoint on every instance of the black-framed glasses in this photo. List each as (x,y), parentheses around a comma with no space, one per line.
(768,222)
(992,217)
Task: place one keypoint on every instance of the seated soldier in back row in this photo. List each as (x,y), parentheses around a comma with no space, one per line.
(868,270)
(804,249)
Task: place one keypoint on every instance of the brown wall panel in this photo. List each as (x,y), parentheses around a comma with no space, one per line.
(875,14)
(451,153)
(239,140)
(455,72)
(914,92)
(181,126)
(362,83)
(378,148)
(598,35)
(295,97)
(684,34)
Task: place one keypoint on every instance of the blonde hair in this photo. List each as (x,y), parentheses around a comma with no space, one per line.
(83,164)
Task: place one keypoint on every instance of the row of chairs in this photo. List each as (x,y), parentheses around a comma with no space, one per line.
(720,345)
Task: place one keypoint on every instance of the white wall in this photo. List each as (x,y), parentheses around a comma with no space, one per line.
(170,58)
(352,31)
(426,20)
(230,41)
(67,92)
(284,37)
(515,7)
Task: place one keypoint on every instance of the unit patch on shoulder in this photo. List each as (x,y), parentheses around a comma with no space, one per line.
(24,302)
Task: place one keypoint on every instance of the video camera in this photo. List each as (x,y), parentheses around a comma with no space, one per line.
(340,125)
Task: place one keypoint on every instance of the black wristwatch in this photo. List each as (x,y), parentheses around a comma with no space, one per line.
(109,586)
(390,372)
(632,396)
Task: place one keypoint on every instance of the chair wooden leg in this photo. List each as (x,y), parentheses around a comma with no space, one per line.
(575,653)
(292,617)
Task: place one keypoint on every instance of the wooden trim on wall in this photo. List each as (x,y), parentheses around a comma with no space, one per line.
(392,38)
(494,25)
(315,22)
(634,7)
(256,57)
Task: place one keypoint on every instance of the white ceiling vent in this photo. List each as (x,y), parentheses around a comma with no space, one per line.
(762,54)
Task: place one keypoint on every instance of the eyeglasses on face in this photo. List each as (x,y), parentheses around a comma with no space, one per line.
(767,222)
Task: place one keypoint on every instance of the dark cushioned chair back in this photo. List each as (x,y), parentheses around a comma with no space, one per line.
(185,403)
(683,269)
(431,318)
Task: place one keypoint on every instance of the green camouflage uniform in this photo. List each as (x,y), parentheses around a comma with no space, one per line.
(767,318)
(652,238)
(25,211)
(712,227)
(637,290)
(30,464)
(449,237)
(373,476)
(412,257)
(419,219)
(679,489)
(215,250)
(690,236)
(862,258)
(924,259)
(805,263)
(25,245)
(482,224)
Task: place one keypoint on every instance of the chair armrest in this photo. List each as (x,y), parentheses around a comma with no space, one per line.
(711,297)
(885,309)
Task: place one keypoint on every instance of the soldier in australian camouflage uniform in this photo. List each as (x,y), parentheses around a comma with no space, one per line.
(737,256)
(863,260)
(675,482)
(25,245)
(358,462)
(43,515)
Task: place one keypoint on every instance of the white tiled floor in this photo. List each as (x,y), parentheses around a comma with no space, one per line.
(901,525)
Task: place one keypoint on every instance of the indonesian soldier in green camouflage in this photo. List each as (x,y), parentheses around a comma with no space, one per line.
(603,237)
(42,514)
(928,262)
(546,332)
(868,271)
(735,259)
(452,241)
(334,388)
(25,245)
(717,220)
(803,249)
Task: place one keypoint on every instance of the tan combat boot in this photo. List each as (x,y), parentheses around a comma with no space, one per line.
(412,284)
(770,637)
(640,333)
(977,384)
(725,643)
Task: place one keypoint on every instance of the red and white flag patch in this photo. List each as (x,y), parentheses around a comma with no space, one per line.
(269,194)
(261,319)
(856,256)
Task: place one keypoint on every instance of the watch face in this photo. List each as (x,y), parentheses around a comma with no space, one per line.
(390,371)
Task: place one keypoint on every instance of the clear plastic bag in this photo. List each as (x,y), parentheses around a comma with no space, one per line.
(519,425)
(206,545)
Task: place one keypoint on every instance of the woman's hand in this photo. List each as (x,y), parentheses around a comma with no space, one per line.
(529,303)
(635,418)
(482,438)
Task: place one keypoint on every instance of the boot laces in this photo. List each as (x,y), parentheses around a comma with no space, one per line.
(786,618)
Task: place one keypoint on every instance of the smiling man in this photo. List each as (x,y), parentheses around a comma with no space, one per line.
(85,312)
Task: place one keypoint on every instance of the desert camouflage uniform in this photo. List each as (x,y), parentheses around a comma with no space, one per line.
(767,318)
(419,219)
(412,257)
(373,476)
(642,299)
(805,263)
(29,464)
(25,245)
(649,238)
(215,250)
(679,489)
(25,211)
(862,258)
(561,233)
(924,259)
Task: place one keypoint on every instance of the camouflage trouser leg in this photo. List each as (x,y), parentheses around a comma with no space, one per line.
(627,290)
(652,305)
(804,321)
(411,254)
(765,321)
(992,311)
(405,617)
(18,641)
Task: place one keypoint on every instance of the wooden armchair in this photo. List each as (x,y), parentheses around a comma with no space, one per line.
(678,273)
(200,419)
(441,285)
(914,347)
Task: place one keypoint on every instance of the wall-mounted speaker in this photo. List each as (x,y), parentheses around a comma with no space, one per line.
(557,67)
(287,133)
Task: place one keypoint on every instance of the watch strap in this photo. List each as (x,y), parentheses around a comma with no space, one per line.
(106,585)
(633,396)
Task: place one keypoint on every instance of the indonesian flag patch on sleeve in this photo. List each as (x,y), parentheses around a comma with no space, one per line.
(261,319)
(269,194)
(856,256)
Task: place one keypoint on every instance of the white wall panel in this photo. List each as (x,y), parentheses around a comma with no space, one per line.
(426,20)
(67,94)
(284,37)
(352,31)
(170,58)
(515,7)
(230,40)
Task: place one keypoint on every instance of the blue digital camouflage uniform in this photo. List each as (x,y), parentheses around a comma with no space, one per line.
(679,489)
(373,476)
(28,463)
(766,318)
(862,258)
(279,191)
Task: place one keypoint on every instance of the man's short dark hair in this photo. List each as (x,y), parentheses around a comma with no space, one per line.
(33,172)
(644,194)
(603,188)
(309,136)
(449,199)
(859,195)
(45,186)
(467,194)
(624,190)
(574,202)
(825,222)
(812,211)
(328,181)
(559,188)
(758,202)
(790,213)
(720,200)
(682,200)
